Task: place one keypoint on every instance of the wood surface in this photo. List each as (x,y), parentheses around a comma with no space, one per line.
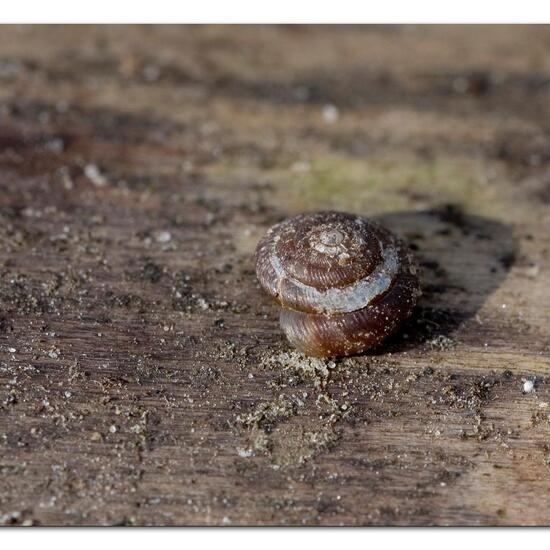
(143,376)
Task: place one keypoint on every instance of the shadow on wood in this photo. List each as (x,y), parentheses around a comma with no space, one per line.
(463,260)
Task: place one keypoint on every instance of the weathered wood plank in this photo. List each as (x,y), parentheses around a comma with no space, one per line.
(143,377)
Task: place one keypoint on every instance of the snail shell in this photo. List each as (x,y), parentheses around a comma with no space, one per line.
(344,283)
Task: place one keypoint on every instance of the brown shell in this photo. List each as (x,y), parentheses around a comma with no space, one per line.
(344,283)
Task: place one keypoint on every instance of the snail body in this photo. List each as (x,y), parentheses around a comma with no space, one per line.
(343,282)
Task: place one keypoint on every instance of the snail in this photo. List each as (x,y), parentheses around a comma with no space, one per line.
(344,283)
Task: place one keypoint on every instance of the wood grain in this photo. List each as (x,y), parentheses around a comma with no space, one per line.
(143,376)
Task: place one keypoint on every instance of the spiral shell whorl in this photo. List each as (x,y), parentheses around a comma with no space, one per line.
(343,282)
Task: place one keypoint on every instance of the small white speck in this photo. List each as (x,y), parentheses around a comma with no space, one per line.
(245,453)
(68,394)
(12,350)
(91,171)
(202,303)
(226,520)
(113,429)
(528,386)
(330,114)
(163,237)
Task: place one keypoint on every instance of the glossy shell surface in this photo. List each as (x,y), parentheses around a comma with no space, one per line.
(344,283)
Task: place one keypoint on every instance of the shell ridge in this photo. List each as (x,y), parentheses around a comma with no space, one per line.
(339,296)
(342,300)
